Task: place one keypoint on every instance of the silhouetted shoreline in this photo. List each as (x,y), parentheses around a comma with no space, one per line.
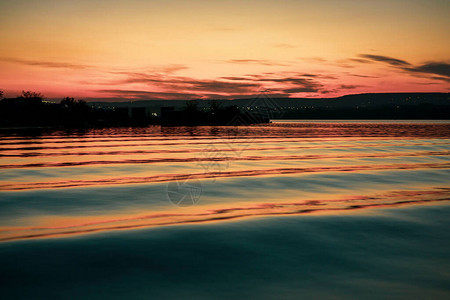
(32,111)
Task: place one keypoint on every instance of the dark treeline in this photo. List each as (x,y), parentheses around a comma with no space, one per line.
(31,110)
(215,114)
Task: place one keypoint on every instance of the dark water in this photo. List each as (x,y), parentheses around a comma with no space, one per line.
(280,211)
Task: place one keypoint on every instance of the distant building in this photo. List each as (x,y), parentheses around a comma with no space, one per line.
(122,113)
(169,115)
(138,113)
(134,113)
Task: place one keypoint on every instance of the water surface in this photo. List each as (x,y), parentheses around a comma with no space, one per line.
(330,209)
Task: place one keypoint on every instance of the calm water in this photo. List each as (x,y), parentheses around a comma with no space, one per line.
(287,210)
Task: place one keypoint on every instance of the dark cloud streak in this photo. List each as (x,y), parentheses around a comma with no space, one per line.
(46,64)
(254,61)
(439,70)
(386,59)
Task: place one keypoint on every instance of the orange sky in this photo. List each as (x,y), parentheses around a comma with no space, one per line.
(169,49)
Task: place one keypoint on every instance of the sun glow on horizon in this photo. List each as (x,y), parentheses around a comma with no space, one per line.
(222,49)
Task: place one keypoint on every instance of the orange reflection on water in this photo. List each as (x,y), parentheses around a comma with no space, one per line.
(279,155)
(239,172)
(54,226)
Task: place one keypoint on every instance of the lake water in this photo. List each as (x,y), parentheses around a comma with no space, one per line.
(288,210)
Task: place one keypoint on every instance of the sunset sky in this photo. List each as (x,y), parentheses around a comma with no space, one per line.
(169,49)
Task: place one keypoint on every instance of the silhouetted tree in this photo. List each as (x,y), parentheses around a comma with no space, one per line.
(68,102)
(72,104)
(1,94)
(30,95)
(191,113)
(32,99)
(75,112)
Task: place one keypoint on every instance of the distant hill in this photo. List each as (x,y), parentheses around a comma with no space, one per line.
(358,106)
(349,101)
